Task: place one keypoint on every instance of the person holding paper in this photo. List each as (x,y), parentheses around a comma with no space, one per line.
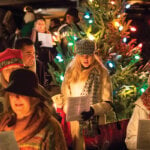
(141,111)
(28,114)
(86,75)
(43,52)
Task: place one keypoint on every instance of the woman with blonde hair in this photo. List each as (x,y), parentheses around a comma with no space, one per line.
(86,75)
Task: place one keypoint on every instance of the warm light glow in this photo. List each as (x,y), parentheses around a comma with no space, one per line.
(90,21)
(128,6)
(137,57)
(70,44)
(87,15)
(142,90)
(133,29)
(140,45)
(112,2)
(120,28)
(61,77)
(124,39)
(91,37)
(59,58)
(116,24)
(75,38)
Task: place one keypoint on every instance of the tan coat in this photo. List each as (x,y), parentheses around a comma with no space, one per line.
(101,108)
(140,112)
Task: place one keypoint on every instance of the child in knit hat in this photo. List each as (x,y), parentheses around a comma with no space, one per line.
(10,60)
(86,75)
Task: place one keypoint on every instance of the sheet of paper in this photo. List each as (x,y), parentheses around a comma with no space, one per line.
(143,138)
(46,39)
(76,105)
(8,141)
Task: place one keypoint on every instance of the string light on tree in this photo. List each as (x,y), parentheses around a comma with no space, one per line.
(127,6)
(111,66)
(91,1)
(143,88)
(120,28)
(75,38)
(61,77)
(59,58)
(124,40)
(140,45)
(90,21)
(87,15)
(116,24)
(112,2)
(137,57)
(91,37)
(133,29)
(70,44)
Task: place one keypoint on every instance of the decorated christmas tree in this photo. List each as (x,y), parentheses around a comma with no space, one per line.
(105,22)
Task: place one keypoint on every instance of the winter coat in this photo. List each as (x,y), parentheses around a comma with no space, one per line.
(103,93)
(140,112)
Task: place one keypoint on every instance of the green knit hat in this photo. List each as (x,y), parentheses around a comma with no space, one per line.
(85,46)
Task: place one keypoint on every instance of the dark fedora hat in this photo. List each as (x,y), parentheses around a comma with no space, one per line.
(74,13)
(24,82)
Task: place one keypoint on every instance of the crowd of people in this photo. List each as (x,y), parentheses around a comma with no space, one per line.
(37,118)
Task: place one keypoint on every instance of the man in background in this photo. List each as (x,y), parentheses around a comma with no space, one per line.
(29,58)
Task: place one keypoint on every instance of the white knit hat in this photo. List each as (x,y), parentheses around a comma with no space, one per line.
(85,46)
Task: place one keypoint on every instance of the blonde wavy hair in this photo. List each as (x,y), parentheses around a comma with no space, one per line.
(74,71)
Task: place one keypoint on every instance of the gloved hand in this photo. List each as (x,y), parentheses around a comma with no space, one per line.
(86,115)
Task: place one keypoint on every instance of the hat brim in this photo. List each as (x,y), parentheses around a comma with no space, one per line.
(31,93)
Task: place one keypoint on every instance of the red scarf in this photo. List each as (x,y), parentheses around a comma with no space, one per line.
(146,98)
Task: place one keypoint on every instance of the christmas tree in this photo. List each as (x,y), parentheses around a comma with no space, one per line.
(105,22)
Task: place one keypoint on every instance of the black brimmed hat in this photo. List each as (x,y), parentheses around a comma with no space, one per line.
(24,82)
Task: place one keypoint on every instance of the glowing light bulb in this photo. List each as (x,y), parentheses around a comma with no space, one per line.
(91,37)
(61,77)
(70,44)
(128,6)
(87,15)
(142,90)
(137,57)
(90,21)
(75,38)
(59,58)
(112,2)
(133,29)
(124,40)
(120,28)
(140,45)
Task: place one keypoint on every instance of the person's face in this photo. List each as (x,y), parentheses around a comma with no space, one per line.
(40,26)
(69,19)
(8,70)
(20,104)
(28,52)
(86,60)
(52,24)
